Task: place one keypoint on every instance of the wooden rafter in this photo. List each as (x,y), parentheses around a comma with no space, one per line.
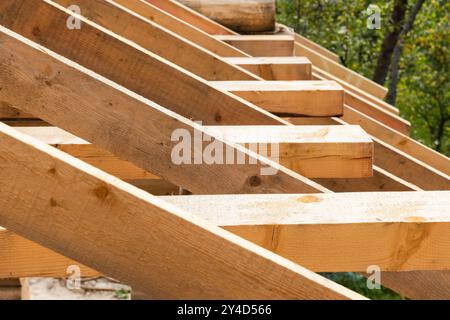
(190,259)
(99,111)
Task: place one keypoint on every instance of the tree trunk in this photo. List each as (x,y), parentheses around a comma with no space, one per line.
(395,77)
(390,41)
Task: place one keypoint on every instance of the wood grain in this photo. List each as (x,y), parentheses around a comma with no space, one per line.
(188,257)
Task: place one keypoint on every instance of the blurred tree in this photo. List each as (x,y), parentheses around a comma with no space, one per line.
(421,68)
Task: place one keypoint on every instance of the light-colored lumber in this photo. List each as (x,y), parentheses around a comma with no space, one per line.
(381,180)
(153,77)
(318,48)
(419,285)
(403,143)
(355,95)
(309,98)
(340,71)
(182,28)
(337,232)
(191,16)
(238,15)
(276,68)
(124,232)
(397,140)
(267,45)
(312,151)
(372,110)
(407,167)
(158,40)
(396,162)
(186,82)
(125,124)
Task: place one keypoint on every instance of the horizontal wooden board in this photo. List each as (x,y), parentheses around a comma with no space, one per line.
(125,232)
(313,151)
(276,68)
(308,98)
(261,45)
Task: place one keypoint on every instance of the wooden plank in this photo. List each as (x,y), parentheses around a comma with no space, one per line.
(381,180)
(191,16)
(312,164)
(315,47)
(340,71)
(90,230)
(407,167)
(314,152)
(398,140)
(420,285)
(10,289)
(129,126)
(8,112)
(309,98)
(323,232)
(182,28)
(154,78)
(240,16)
(198,100)
(396,162)
(158,40)
(356,95)
(411,146)
(262,45)
(276,68)
(372,110)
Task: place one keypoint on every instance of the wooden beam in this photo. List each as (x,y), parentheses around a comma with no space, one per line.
(191,16)
(323,232)
(154,78)
(8,112)
(340,71)
(309,98)
(394,160)
(127,125)
(203,106)
(372,110)
(315,47)
(89,231)
(276,68)
(355,95)
(381,180)
(397,140)
(261,45)
(407,167)
(313,162)
(420,285)
(314,152)
(158,40)
(10,289)
(411,145)
(182,28)
(240,16)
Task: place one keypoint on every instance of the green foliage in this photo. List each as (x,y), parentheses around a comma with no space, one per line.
(122,294)
(423,90)
(358,283)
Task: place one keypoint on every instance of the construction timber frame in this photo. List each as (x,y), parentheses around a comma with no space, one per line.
(87,177)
